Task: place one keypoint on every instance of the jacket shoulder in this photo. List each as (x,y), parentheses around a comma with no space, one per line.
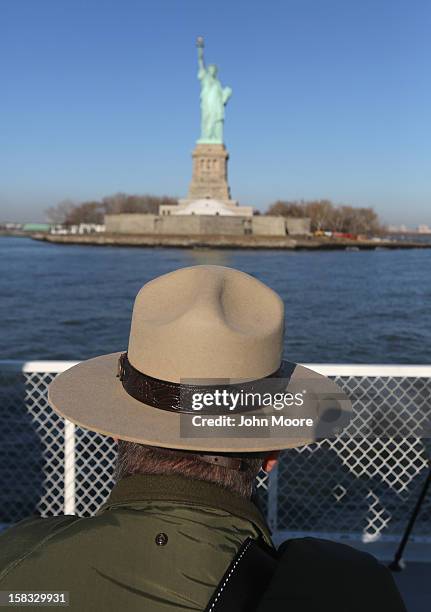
(330,575)
(19,541)
(318,550)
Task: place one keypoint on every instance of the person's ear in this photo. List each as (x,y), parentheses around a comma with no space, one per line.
(270,461)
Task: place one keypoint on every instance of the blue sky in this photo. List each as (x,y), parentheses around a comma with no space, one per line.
(331,99)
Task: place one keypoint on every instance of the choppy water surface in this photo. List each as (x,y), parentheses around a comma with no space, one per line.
(75,302)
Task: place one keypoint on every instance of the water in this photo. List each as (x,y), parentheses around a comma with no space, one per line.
(75,302)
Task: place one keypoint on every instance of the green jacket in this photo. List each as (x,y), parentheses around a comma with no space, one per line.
(160,543)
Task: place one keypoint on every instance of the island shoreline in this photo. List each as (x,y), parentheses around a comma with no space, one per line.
(226,242)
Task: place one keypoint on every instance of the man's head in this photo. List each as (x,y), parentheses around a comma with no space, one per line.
(141,459)
(212,69)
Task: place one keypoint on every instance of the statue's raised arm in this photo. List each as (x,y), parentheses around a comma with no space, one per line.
(201,63)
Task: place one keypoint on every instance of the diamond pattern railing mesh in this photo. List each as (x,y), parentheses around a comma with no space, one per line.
(31,448)
(95,459)
(361,484)
(357,485)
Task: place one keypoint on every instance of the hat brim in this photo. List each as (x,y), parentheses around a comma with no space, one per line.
(90,395)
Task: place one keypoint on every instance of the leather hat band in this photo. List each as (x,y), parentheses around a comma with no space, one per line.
(177,397)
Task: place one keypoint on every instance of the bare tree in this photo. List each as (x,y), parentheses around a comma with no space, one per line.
(337,219)
(113,204)
(320,213)
(87,212)
(325,215)
(282,208)
(367,221)
(60,212)
(123,203)
(93,211)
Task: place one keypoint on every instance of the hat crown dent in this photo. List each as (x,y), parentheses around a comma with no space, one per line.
(206,322)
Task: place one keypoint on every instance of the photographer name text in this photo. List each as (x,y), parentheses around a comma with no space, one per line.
(250,421)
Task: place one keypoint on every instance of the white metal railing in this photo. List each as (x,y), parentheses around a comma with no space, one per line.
(69,468)
(327,369)
(371,370)
(347,486)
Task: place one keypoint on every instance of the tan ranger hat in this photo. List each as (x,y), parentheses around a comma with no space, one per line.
(195,326)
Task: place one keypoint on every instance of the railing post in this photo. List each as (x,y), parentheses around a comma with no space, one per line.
(69,467)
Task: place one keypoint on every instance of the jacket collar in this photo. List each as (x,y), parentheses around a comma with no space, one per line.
(174,488)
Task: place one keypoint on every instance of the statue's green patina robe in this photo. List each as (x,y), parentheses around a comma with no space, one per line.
(112,562)
(213,100)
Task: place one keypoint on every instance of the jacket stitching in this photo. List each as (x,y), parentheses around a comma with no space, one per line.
(229,576)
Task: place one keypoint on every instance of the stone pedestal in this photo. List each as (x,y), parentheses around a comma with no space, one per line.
(209,179)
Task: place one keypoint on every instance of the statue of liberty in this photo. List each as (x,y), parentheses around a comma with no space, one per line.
(213,100)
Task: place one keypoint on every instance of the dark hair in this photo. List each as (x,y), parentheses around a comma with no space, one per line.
(141,459)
